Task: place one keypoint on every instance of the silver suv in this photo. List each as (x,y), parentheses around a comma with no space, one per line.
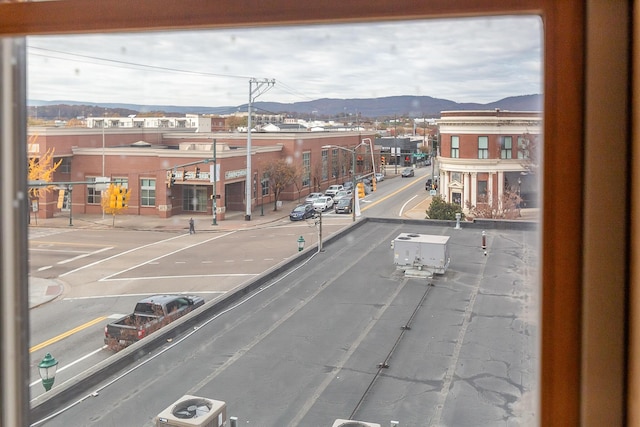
(333,189)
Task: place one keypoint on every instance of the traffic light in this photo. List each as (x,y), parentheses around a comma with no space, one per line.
(361,190)
(360,161)
(197,172)
(184,174)
(383,160)
(113,197)
(171,178)
(61,199)
(120,197)
(373,183)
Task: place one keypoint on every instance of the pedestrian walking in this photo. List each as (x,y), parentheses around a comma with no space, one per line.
(192,226)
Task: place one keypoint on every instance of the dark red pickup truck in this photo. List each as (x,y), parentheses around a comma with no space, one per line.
(149,315)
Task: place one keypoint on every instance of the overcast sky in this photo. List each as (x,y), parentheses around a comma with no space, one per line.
(467,60)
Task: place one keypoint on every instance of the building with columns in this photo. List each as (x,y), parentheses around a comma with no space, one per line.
(484,154)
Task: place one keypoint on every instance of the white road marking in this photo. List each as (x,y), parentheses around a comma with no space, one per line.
(117,316)
(45,268)
(184,276)
(405,205)
(133,250)
(85,255)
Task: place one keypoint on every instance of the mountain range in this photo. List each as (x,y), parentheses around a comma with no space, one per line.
(386,107)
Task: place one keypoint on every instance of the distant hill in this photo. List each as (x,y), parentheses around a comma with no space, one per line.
(401,106)
(405,106)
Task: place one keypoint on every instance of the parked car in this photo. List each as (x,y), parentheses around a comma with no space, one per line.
(333,189)
(379,177)
(341,194)
(302,212)
(344,205)
(323,203)
(312,197)
(407,172)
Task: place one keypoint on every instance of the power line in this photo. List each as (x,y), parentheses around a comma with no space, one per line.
(96,60)
(133,64)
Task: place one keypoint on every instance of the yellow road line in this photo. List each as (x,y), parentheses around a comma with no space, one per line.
(66,334)
(372,204)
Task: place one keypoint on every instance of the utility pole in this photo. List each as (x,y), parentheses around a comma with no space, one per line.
(214,206)
(261,86)
(395,142)
(320,231)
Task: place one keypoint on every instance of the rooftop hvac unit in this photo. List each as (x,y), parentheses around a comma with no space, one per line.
(352,423)
(192,411)
(421,251)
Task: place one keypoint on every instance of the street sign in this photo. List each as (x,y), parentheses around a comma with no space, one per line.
(102,183)
(433,192)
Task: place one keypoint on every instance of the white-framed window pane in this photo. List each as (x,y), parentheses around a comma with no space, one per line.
(483,147)
(506,147)
(94,196)
(455,147)
(147,192)
(306,168)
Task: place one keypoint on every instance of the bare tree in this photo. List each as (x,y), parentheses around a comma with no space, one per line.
(505,207)
(317,176)
(528,152)
(297,180)
(280,174)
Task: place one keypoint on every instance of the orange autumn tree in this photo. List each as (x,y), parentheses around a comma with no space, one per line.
(40,168)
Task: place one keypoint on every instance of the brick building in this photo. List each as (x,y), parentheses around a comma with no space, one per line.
(143,160)
(484,154)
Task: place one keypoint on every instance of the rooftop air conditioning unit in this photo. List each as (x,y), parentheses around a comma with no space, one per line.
(352,423)
(192,411)
(421,251)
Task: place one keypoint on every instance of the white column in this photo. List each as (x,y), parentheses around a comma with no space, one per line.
(474,188)
(443,186)
(465,189)
(500,188)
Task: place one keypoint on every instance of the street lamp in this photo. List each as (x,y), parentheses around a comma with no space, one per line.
(353,173)
(47,369)
(300,243)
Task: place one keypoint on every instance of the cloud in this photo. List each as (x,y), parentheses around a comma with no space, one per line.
(464,60)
